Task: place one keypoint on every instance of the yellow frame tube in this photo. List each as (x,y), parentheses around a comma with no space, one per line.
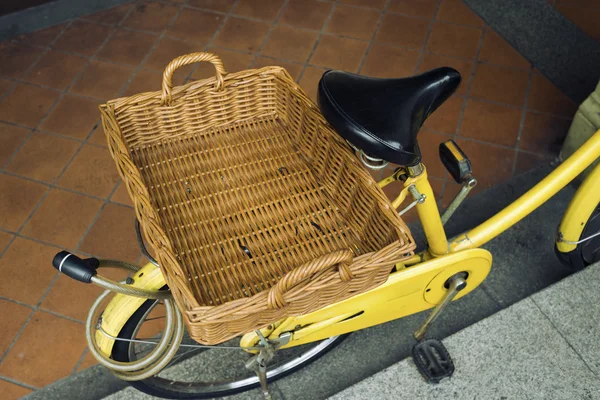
(429,214)
(580,209)
(428,211)
(534,198)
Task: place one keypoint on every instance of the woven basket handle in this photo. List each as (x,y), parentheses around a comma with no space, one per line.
(340,258)
(186,59)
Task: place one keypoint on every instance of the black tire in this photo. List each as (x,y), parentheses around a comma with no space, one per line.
(160,387)
(585,253)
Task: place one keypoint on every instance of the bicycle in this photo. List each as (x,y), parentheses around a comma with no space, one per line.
(445,271)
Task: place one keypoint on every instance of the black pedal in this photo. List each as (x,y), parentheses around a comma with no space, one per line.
(433,360)
(455,161)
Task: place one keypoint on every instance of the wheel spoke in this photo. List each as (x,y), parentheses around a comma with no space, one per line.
(201,371)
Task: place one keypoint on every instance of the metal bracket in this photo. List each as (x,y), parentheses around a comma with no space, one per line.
(561,239)
(258,363)
(140,239)
(419,199)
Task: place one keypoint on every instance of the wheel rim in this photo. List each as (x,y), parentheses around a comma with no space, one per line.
(200,363)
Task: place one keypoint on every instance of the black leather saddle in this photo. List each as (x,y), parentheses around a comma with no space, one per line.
(383,116)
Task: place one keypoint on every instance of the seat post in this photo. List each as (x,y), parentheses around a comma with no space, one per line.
(428,211)
(415,170)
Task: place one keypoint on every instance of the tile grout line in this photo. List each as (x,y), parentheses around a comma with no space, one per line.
(189,78)
(410,16)
(21,81)
(93,57)
(467,92)
(564,338)
(271,29)
(93,222)
(10,242)
(37,60)
(35,310)
(17,302)
(51,284)
(131,3)
(82,144)
(491,144)
(144,67)
(399,47)
(78,364)
(522,122)
(497,103)
(481,99)
(440,195)
(103,146)
(262,20)
(16,83)
(59,315)
(32,239)
(321,32)
(18,383)
(470,82)
(382,14)
(427,36)
(53,186)
(123,88)
(19,332)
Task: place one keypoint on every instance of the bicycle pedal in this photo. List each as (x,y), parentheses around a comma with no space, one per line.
(432,360)
(455,160)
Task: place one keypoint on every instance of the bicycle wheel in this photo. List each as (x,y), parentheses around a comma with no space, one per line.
(210,371)
(588,252)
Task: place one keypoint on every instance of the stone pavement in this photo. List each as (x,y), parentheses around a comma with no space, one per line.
(546,346)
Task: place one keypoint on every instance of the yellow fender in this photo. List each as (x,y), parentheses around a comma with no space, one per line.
(580,209)
(122,307)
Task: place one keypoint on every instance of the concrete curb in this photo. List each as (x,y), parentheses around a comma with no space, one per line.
(552,43)
(543,347)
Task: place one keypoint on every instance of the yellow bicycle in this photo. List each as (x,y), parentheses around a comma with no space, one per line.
(122,338)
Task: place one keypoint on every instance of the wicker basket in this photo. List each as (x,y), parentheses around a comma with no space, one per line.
(255,208)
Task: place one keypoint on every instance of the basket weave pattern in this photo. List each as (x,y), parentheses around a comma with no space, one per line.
(255,208)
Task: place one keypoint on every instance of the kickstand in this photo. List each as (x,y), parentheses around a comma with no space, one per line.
(259,362)
(261,371)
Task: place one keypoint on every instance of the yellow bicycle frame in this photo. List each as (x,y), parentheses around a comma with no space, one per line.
(540,193)
(417,284)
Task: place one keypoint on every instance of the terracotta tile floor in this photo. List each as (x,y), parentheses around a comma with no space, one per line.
(59,187)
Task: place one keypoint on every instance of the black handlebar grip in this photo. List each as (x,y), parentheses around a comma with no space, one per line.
(74,267)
